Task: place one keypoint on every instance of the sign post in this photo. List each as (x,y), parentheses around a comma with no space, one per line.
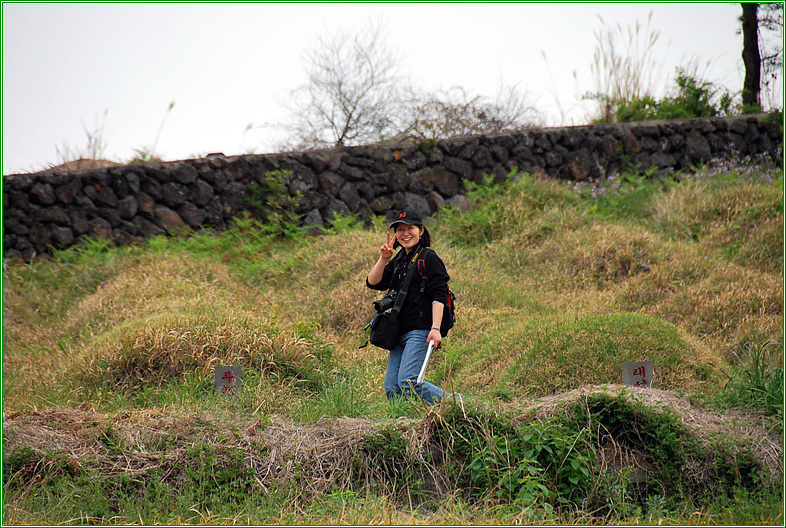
(637,374)
(227,380)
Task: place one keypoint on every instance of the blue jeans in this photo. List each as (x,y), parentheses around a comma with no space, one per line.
(404,364)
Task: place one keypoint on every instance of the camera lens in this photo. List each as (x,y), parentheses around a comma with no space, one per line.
(386,302)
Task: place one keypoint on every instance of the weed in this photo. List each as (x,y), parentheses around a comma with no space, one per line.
(339,396)
(624,76)
(20,465)
(427,146)
(341,223)
(76,158)
(499,209)
(620,197)
(775,116)
(276,208)
(757,381)
(148,154)
(216,475)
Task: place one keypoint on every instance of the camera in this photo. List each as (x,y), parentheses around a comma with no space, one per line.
(386,302)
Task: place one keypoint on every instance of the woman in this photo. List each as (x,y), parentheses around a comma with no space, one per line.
(421,313)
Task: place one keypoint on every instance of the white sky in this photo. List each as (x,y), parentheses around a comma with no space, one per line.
(71,67)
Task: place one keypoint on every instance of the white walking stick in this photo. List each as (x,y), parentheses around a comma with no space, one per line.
(429,350)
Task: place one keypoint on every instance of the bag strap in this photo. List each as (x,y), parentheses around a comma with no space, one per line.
(423,278)
(402,294)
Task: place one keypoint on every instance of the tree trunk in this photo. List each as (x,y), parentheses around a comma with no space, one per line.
(750,55)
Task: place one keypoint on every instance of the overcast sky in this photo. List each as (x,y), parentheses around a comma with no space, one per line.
(68,68)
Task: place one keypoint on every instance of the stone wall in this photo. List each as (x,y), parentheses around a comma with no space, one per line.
(58,208)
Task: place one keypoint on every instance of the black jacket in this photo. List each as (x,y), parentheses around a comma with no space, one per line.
(416,312)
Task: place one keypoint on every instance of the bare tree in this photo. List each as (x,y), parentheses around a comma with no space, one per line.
(454,112)
(355,95)
(351,90)
(512,109)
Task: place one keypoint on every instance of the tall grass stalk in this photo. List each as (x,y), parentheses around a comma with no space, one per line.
(758,379)
(626,70)
(69,157)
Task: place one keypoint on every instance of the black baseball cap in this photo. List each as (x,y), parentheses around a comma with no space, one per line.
(407,216)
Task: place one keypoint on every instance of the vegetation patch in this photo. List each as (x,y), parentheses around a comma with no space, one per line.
(606,450)
(111,415)
(591,350)
(165,348)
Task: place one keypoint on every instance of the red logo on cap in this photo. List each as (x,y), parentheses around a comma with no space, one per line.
(403,215)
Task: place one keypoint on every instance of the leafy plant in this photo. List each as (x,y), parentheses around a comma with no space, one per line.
(507,470)
(144,155)
(271,202)
(217,475)
(479,225)
(620,196)
(427,146)
(341,223)
(775,116)
(695,98)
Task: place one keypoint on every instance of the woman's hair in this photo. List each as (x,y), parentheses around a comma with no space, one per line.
(425,239)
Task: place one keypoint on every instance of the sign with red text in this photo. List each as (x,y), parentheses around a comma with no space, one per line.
(637,374)
(227,380)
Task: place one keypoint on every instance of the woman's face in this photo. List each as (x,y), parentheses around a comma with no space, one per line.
(408,235)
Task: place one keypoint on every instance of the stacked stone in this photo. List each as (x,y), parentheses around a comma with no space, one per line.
(57,208)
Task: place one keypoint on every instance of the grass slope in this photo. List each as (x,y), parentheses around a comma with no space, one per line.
(557,285)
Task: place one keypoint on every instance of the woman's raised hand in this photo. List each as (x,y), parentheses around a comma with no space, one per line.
(386,250)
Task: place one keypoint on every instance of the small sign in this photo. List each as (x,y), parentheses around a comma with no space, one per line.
(228,380)
(637,374)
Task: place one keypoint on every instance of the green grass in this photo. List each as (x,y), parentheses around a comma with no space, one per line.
(557,284)
(591,350)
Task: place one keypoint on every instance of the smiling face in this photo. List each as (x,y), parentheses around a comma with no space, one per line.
(408,235)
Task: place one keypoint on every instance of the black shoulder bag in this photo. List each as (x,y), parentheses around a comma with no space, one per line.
(384,324)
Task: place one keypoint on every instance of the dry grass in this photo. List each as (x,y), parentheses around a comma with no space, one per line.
(601,268)
(743,220)
(591,350)
(161,285)
(600,255)
(570,297)
(169,346)
(158,319)
(724,306)
(328,455)
(745,428)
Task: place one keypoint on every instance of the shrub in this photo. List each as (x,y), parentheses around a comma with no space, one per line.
(270,201)
(655,443)
(695,98)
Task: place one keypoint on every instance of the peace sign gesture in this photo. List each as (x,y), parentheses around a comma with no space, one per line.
(386,250)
